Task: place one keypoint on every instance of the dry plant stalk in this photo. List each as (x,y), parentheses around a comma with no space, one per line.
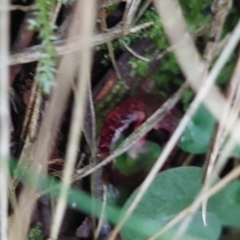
(130,11)
(231,108)
(109,44)
(220,9)
(4,117)
(87,12)
(72,44)
(102,213)
(41,149)
(142,10)
(229,117)
(32,117)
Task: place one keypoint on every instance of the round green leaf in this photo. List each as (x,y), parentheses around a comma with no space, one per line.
(169,193)
(226,204)
(197,135)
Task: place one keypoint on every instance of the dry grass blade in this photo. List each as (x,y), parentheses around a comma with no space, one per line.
(42,148)
(109,44)
(231,108)
(142,9)
(220,9)
(87,11)
(17,7)
(4,117)
(230,119)
(134,53)
(72,45)
(33,113)
(102,214)
(131,9)
(126,14)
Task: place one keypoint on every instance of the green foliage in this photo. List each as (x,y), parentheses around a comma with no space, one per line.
(45,28)
(193,11)
(144,160)
(197,134)
(187,97)
(226,204)
(35,233)
(227,70)
(168,68)
(175,189)
(171,192)
(138,67)
(106,59)
(155,32)
(168,72)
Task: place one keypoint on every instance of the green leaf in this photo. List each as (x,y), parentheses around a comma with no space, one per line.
(170,193)
(196,137)
(226,204)
(35,233)
(196,229)
(145,159)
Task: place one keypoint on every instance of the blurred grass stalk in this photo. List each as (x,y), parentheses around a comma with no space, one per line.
(85,15)
(4,116)
(42,147)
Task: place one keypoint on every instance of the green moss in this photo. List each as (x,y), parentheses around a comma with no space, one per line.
(168,71)
(35,233)
(46,63)
(194,13)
